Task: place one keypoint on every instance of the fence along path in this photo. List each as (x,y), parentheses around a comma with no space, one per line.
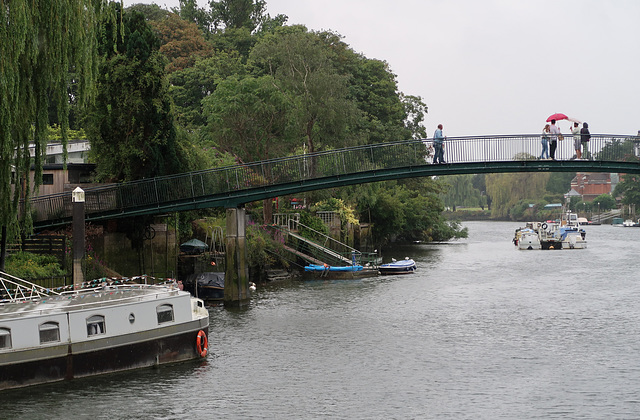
(159,194)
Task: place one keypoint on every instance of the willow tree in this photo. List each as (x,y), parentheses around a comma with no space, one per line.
(40,46)
(507,189)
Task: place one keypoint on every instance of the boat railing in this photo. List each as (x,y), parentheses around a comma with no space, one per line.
(15,289)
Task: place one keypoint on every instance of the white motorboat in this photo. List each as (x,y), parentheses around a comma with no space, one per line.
(527,237)
(48,336)
(406,266)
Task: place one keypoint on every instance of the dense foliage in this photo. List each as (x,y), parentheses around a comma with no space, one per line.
(30,266)
(38,47)
(131,125)
(262,251)
(629,189)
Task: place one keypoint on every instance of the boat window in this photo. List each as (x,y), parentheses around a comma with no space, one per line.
(5,338)
(165,313)
(49,332)
(95,325)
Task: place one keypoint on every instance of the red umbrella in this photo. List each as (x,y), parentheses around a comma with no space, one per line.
(558,116)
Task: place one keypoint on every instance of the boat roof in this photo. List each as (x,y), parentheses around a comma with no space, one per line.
(87,298)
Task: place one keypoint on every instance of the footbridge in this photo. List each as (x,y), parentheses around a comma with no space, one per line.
(233,186)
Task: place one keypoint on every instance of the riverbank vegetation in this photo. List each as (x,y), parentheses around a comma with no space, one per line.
(31,266)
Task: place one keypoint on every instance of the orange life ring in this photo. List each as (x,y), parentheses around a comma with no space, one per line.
(202,344)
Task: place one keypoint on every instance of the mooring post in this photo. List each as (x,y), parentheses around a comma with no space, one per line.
(77,197)
(236,283)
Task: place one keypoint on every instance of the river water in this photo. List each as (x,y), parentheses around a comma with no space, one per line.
(480,331)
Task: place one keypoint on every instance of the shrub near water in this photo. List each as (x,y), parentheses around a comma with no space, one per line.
(30,266)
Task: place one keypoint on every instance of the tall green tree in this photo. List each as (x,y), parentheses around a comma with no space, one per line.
(604,202)
(237,13)
(192,84)
(384,108)
(414,110)
(303,69)
(629,189)
(152,12)
(248,14)
(131,124)
(248,117)
(190,12)
(387,113)
(560,182)
(39,44)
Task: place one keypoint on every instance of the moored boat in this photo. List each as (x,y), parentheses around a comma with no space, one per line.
(206,286)
(405,266)
(527,238)
(326,267)
(48,336)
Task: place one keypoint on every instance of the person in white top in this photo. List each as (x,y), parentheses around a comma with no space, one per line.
(555,131)
(575,130)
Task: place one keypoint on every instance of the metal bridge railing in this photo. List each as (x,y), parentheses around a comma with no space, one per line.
(185,188)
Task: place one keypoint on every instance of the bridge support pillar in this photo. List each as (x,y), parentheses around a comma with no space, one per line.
(77,197)
(236,283)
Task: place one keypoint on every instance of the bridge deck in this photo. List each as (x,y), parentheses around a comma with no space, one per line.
(234,185)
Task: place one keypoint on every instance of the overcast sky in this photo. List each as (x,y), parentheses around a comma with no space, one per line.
(494,66)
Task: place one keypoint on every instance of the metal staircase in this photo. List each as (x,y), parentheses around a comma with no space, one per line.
(322,249)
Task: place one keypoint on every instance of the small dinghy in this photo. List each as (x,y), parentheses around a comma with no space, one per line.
(405,266)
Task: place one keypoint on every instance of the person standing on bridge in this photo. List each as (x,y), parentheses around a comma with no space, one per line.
(585,136)
(575,131)
(545,142)
(438,144)
(555,132)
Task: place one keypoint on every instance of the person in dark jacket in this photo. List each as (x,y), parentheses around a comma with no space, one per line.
(585,136)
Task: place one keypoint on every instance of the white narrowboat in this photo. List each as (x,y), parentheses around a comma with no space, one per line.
(48,336)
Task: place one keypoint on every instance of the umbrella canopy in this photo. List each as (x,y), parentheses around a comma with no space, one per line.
(194,246)
(558,116)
